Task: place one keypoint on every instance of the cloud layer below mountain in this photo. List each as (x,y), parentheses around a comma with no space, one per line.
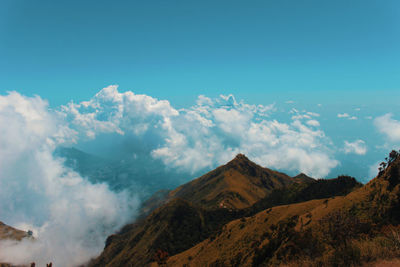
(69,216)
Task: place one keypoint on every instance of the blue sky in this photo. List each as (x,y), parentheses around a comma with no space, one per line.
(340,54)
(177,50)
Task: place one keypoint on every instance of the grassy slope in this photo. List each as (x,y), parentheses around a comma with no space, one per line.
(179,224)
(309,232)
(8,232)
(236,185)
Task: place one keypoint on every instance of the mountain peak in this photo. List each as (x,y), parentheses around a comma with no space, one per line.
(237,184)
(241,156)
(303,177)
(241,160)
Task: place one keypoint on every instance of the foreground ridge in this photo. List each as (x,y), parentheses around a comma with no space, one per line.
(190,228)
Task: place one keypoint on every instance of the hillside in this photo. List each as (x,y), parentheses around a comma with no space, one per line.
(238,184)
(174,227)
(360,227)
(8,232)
(180,224)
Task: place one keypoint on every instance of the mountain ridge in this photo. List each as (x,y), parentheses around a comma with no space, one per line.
(168,231)
(235,185)
(340,231)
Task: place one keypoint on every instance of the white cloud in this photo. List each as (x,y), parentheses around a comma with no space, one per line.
(314,123)
(70,216)
(302,115)
(343,115)
(357,147)
(388,126)
(314,114)
(289,102)
(234,129)
(209,133)
(110,111)
(346,115)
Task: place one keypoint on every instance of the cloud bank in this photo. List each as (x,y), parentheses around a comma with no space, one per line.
(69,216)
(207,134)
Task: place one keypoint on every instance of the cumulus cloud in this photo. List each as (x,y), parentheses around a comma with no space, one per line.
(357,147)
(208,133)
(388,126)
(70,216)
(110,111)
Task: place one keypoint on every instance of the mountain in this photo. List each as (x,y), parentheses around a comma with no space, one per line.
(191,215)
(174,227)
(8,232)
(303,176)
(300,192)
(360,227)
(238,184)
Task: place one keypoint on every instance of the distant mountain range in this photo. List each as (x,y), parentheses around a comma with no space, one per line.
(242,214)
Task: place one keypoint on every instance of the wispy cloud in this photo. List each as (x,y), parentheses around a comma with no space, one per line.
(346,115)
(343,115)
(388,126)
(357,147)
(314,123)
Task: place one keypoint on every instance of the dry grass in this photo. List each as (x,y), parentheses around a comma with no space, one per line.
(381,250)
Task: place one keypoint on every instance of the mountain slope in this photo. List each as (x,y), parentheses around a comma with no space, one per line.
(8,232)
(238,184)
(180,224)
(174,227)
(341,231)
(300,192)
